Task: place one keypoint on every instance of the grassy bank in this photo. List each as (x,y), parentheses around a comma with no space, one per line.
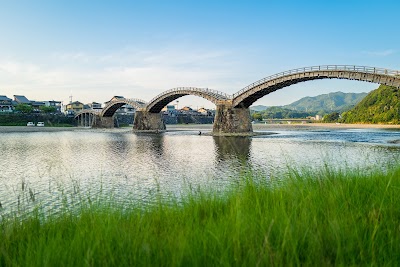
(316,218)
(20,119)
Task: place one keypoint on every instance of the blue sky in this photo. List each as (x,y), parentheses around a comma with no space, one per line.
(97,49)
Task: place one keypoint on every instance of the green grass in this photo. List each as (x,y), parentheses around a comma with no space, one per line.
(317,218)
(12,123)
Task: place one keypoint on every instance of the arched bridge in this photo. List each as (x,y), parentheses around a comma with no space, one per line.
(87,112)
(232,113)
(157,103)
(112,106)
(251,93)
(87,117)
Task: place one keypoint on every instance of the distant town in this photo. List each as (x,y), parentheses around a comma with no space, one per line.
(172,113)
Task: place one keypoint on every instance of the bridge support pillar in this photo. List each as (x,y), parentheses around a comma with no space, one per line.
(103,122)
(147,121)
(231,121)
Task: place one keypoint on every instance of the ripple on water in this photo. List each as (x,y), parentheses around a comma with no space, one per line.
(48,169)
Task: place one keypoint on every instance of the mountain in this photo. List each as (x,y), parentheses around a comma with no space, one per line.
(258,108)
(379,106)
(327,103)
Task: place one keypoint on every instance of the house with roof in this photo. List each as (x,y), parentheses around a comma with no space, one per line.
(6,104)
(204,111)
(55,104)
(94,106)
(186,108)
(73,107)
(36,105)
(168,108)
(21,99)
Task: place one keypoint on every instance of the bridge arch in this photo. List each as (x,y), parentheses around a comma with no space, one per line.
(112,106)
(251,93)
(86,112)
(87,117)
(160,101)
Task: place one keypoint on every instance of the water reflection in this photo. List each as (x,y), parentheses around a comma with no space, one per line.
(228,148)
(156,144)
(132,165)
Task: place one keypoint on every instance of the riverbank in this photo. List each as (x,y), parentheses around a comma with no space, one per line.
(314,218)
(26,129)
(318,126)
(208,127)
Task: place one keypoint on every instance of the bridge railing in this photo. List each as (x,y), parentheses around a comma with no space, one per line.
(127,100)
(90,111)
(194,89)
(137,100)
(363,69)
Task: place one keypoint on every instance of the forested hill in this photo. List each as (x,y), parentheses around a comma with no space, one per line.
(327,103)
(379,106)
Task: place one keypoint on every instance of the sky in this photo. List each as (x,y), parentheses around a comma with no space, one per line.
(93,50)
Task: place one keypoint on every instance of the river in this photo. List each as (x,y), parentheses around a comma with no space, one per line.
(45,168)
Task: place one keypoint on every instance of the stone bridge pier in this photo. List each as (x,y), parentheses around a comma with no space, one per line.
(95,121)
(102,122)
(147,121)
(105,122)
(230,120)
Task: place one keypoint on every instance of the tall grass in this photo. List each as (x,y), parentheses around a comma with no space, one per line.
(310,218)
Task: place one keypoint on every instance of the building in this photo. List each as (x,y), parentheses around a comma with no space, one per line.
(6,104)
(168,108)
(186,108)
(94,106)
(73,107)
(55,104)
(36,105)
(126,109)
(205,112)
(20,99)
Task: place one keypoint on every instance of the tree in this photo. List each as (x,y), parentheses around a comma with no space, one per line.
(24,108)
(47,109)
(333,117)
(379,106)
(257,116)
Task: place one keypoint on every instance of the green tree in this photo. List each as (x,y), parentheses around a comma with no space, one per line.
(379,106)
(24,108)
(47,109)
(333,117)
(256,116)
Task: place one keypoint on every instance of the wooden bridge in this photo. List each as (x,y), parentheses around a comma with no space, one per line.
(232,111)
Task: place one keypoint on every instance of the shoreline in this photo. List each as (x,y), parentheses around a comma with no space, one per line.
(260,126)
(206,127)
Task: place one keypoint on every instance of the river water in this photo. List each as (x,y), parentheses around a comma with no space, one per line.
(46,169)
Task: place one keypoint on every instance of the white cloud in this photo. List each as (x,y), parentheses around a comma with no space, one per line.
(141,73)
(127,72)
(71,57)
(383,53)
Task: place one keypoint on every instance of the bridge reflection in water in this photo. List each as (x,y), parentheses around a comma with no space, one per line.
(130,166)
(227,148)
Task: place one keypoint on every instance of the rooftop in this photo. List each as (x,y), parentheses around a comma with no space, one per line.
(4,98)
(75,103)
(21,99)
